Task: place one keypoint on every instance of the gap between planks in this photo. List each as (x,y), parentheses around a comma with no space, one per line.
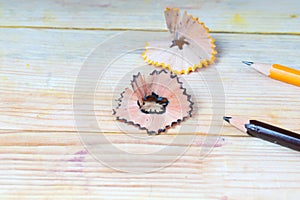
(148,30)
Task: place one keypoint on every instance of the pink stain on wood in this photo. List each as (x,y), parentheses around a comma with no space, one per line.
(205,143)
(80,156)
(224,198)
(81,152)
(105,5)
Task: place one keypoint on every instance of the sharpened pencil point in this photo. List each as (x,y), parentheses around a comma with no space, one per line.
(227,119)
(248,63)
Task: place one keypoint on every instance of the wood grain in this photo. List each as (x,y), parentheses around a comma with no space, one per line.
(264,16)
(232,169)
(44,157)
(38,79)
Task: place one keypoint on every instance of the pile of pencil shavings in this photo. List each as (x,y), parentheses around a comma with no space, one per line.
(159,101)
(155,103)
(187,48)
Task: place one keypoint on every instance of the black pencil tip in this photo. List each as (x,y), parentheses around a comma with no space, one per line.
(227,119)
(248,62)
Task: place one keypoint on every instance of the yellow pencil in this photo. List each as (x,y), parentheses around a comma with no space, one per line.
(278,72)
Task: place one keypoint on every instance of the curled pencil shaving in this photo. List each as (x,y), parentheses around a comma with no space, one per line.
(189,47)
(154,103)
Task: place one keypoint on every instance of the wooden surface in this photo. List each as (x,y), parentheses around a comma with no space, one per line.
(42,51)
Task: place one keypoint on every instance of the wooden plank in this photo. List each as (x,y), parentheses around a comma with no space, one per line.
(264,16)
(42,156)
(55,164)
(38,77)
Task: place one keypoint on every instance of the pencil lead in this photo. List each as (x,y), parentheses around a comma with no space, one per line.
(248,63)
(227,119)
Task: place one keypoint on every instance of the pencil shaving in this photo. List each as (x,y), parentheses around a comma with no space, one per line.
(187,48)
(154,103)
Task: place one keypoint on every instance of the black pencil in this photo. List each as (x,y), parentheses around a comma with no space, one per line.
(267,132)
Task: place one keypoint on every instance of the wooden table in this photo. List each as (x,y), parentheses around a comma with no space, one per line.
(43,46)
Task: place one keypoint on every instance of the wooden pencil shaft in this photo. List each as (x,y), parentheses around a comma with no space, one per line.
(274,134)
(285,74)
(277,72)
